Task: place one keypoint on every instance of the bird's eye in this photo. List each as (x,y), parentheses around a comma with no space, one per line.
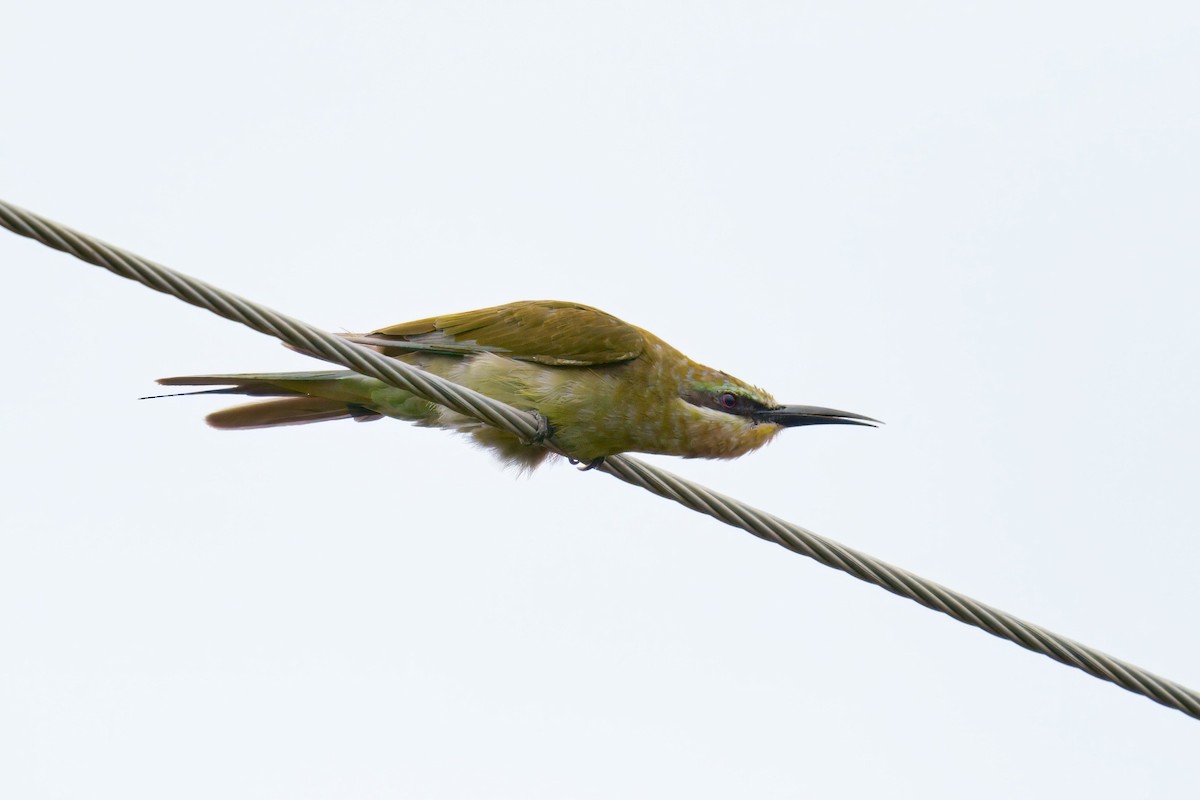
(727,400)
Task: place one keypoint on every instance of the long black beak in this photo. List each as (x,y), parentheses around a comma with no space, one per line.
(793,416)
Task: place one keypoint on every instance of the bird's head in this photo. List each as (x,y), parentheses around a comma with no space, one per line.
(736,417)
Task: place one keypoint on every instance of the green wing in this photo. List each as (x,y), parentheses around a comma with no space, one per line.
(544,331)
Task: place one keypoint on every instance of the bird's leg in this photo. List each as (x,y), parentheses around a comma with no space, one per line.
(582,467)
(543,432)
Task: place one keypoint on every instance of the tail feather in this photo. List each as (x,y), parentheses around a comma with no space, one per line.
(304,397)
(253,384)
(300,398)
(300,410)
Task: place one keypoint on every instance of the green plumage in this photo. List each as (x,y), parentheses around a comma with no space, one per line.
(605,386)
(542,331)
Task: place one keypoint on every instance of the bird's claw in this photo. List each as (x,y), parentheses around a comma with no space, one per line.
(543,431)
(582,467)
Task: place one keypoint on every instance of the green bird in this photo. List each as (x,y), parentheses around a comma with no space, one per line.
(603,387)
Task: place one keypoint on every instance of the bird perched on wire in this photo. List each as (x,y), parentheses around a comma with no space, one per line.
(603,386)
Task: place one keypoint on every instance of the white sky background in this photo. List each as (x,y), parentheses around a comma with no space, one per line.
(977,224)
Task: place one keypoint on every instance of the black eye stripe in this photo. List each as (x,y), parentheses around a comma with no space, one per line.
(727,402)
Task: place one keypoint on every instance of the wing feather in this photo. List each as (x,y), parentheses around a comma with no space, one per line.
(543,331)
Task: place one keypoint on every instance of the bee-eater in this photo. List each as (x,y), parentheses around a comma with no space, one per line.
(603,386)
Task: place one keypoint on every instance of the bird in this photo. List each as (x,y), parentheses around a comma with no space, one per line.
(600,385)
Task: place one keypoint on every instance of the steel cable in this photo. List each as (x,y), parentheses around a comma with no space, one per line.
(665,484)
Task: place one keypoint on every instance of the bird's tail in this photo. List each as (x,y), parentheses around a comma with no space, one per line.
(298,398)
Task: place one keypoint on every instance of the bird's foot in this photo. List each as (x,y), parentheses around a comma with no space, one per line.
(543,431)
(582,467)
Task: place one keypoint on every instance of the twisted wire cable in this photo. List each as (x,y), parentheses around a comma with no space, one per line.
(264,320)
(665,484)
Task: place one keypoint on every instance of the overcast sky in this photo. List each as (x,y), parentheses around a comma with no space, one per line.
(976,222)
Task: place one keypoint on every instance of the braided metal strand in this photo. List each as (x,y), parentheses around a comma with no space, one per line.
(264,320)
(663,483)
(906,584)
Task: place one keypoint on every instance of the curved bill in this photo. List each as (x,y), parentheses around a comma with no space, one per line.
(794,416)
